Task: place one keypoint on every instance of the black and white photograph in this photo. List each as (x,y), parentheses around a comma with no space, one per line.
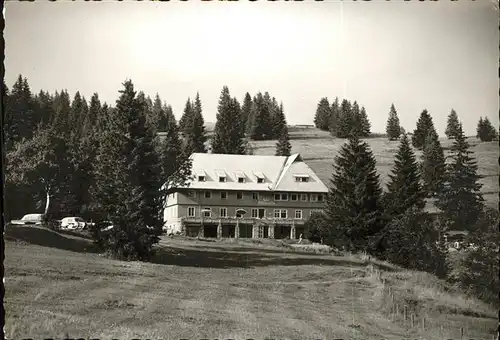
(215,169)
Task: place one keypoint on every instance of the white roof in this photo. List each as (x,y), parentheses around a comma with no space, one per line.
(278,173)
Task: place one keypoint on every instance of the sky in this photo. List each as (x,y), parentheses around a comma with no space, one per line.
(417,55)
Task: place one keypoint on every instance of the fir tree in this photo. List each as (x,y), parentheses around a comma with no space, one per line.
(365,123)
(452,125)
(433,166)
(355,120)
(323,115)
(62,111)
(20,120)
(461,200)
(228,134)
(404,190)
(186,118)
(485,130)
(424,127)
(354,207)
(196,135)
(262,128)
(276,119)
(246,110)
(345,121)
(283,147)
(129,180)
(393,129)
(334,117)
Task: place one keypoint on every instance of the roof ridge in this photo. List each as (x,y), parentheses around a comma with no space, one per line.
(283,171)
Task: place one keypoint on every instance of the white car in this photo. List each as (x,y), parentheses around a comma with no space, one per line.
(73,223)
(33,219)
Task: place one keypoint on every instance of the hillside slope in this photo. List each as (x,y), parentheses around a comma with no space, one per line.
(200,289)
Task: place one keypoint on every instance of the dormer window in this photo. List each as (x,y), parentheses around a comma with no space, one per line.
(221,175)
(260,177)
(301,178)
(240,176)
(201,178)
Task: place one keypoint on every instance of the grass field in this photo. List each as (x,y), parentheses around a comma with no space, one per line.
(318,150)
(223,289)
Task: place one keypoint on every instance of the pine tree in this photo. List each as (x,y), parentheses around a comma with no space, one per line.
(354,207)
(276,120)
(452,125)
(246,110)
(485,130)
(345,121)
(355,119)
(433,166)
(461,200)
(78,111)
(424,127)
(323,115)
(283,147)
(262,128)
(196,135)
(365,123)
(20,121)
(62,111)
(334,117)
(228,134)
(157,114)
(393,129)
(186,118)
(404,190)
(129,180)
(44,107)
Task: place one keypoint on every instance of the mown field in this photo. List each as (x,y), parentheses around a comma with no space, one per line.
(318,150)
(224,289)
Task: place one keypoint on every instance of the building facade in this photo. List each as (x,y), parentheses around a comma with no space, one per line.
(245,196)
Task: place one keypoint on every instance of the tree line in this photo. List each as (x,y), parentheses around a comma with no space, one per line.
(395,226)
(342,119)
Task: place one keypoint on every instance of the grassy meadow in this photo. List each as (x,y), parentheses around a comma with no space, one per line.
(318,150)
(58,286)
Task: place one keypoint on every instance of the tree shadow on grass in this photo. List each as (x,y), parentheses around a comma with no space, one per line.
(220,259)
(48,238)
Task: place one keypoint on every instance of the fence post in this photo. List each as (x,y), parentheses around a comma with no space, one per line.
(412,320)
(397,309)
(405,312)
(461,332)
(423,323)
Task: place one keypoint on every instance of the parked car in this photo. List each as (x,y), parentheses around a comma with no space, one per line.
(29,219)
(73,223)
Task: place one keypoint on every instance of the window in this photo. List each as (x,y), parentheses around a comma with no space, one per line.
(223,195)
(320,198)
(241,180)
(222,179)
(207,212)
(223,212)
(303,197)
(239,195)
(280,213)
(281,197)
(260,180)
(255,196)
(191,194)
(201,178)
(294,197)
(314,198)
(239,212)
(298,214)
(208,194)
(301,178)
(191,212)
(255,213)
